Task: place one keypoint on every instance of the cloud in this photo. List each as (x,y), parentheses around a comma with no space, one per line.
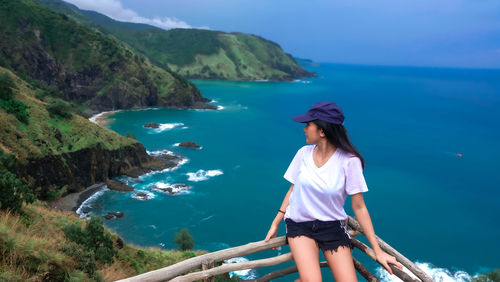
(115,10)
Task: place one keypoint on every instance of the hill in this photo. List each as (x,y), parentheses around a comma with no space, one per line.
(87,67)
(194,53)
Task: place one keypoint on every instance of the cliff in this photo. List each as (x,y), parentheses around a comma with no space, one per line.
(56,149)
(87,67)
(194,53)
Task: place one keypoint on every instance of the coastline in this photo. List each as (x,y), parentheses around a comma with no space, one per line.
(103,118)
(73,201)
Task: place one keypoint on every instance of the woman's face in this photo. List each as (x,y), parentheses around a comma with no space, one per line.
(313,133)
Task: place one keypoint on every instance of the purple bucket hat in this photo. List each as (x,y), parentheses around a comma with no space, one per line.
(325,111)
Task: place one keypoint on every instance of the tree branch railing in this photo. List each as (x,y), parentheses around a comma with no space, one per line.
(179,271)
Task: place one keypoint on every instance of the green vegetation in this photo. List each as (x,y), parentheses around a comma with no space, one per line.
(195,53)
(184,240)
(34,247)
(13,192)
(48,132)
(7,101)
(52,51)
(493,276)
(92,238)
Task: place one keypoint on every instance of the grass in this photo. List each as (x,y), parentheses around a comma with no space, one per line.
(45,134)
(31,249)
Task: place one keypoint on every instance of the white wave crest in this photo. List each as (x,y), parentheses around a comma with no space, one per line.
(167,126)
(95,118)
(201,174)
(171,189)
(245,273)
(160,153)
(219,107)
(436,273)
(143,195)
(87,204)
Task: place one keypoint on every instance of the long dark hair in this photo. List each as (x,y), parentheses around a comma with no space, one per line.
(337,135)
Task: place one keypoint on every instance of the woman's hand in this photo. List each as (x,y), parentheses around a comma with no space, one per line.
(384,259)
(272,233)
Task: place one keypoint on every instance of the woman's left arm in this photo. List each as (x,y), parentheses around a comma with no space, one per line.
(363,217)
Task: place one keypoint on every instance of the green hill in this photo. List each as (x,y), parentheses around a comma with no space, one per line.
(90,68)
(196,54)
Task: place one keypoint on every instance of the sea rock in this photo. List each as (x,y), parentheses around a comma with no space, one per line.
(152,125)
(111,215)
(189,145)
(142,196)
(174,188)
(118,186)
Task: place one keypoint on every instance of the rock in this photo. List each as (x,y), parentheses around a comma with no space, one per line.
(118,186)
(112,215)
(189,145)
(142,196)
(152,125)
(119,242)
(174,188)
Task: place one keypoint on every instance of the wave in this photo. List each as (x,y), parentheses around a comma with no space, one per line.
(245,273)
(201,174)
(436,273)
(171,189)
(219,107)
(160,153)
(95,118)
(302,81)
(87,204)
(167,126)
(143,195)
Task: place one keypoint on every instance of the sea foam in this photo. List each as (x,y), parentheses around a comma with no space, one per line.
(167,126)
(436,273)
(201,174)
(87,204)
(245,273)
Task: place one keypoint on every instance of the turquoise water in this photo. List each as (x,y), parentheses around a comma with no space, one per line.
(436,208)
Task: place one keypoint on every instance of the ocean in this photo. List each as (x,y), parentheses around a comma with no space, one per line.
(429,137)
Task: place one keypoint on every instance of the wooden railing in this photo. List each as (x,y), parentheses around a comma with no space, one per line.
(177,272)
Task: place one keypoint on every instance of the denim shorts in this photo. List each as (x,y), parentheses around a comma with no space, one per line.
(328,235)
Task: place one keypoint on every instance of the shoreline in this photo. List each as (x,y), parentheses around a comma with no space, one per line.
(102,118)
(73,201)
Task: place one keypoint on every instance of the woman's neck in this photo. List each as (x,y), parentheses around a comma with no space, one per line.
(325,148)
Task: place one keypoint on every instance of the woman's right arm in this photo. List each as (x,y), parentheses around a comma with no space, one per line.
(279,217)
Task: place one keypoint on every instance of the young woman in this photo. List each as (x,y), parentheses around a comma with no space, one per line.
(322,175)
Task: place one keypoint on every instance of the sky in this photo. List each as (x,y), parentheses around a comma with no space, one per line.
(437,33)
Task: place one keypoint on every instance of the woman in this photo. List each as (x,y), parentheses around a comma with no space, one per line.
(322,175)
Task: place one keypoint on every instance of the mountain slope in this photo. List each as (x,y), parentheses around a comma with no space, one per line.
(198,54)
(88,67)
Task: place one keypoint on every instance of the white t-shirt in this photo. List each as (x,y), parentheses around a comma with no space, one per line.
(320,193)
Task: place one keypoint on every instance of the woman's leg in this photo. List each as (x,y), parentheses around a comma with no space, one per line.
(306,256)
(341,264)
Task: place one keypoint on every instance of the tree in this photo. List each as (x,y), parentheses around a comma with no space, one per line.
(13,192)
(184,239)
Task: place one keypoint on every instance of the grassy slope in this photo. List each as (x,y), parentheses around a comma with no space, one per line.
(196,53)
(88,66)
(30,249)
(45,134)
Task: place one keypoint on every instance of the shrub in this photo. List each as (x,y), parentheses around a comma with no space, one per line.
(13,192)
(93,238)
(184,239)
(7,101)
(59,108)
(493,276)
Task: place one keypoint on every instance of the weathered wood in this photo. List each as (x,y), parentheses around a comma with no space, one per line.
(281,273)
(185,266)
(364,272)
(354,224)
(396,271)
(207,265)
(225,268)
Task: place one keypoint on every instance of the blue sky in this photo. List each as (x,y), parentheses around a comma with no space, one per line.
(444,33)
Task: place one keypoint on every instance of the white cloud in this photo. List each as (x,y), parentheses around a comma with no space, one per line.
(115,10)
